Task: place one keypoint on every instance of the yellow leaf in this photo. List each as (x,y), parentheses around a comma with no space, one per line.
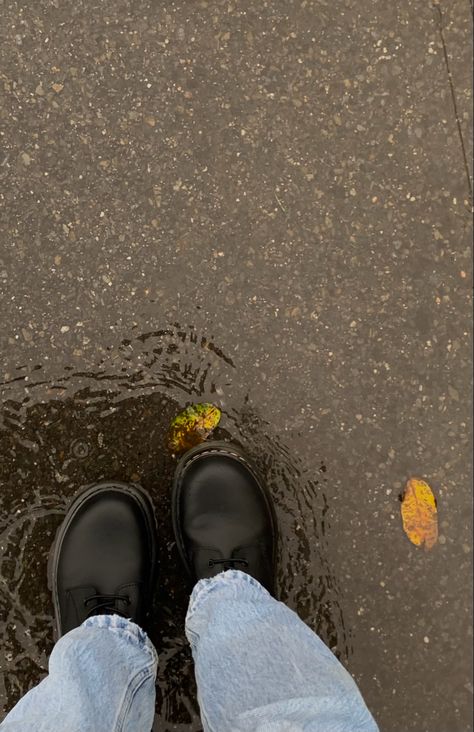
(192,426)
(419,513)
(57,87)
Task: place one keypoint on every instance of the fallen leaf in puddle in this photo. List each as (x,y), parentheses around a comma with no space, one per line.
(419,513)
(192,426)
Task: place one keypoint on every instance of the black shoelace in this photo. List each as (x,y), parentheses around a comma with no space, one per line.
(213,562)
(105,603)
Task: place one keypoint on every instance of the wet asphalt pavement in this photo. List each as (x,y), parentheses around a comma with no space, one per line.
(265,206)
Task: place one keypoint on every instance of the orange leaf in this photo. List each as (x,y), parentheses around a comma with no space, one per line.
(419,513)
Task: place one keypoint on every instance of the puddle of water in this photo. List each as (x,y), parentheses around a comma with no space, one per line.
(111,423)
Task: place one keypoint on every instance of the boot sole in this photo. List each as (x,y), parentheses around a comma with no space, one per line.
(221,448)
(142,499)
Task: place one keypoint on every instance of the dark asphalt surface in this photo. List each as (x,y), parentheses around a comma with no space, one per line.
(266,206)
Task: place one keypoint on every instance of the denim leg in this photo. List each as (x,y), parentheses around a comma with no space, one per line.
(101,679)
(259,668)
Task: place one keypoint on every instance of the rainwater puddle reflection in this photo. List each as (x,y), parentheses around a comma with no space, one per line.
(57,436)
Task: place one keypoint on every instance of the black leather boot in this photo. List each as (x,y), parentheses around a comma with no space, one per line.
(223,517)
(104,556)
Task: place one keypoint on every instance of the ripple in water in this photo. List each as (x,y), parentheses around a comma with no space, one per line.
(111,423)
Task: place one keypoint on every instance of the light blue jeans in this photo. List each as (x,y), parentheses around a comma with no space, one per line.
(259,668)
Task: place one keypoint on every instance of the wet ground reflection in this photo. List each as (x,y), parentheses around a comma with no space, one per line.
(57,436)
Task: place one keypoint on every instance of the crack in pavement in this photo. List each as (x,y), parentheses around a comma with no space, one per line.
(453,96)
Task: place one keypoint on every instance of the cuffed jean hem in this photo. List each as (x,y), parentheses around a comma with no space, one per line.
(101,679)
(231,582)
(126,629)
